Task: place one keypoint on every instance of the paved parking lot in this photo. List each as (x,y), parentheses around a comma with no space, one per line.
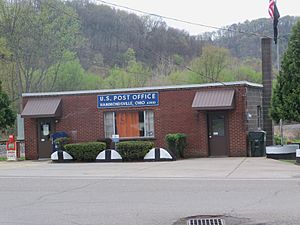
(220,168)
(250,190)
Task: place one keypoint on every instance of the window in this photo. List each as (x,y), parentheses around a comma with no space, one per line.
(109,124)
(218,125)
(129,124)
(258,113)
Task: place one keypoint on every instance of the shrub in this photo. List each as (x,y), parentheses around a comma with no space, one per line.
(134,150)
(277,139)
(176,143)
(85,151)
(61,142)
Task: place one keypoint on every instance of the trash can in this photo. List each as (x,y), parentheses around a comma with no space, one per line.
(257,143)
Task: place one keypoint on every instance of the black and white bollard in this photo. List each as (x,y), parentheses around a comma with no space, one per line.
(282,151)
(61,156)
(109,155)
(298,156)
(159,154)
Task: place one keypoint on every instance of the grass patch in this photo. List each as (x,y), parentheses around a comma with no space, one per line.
(293,161)
(19,159)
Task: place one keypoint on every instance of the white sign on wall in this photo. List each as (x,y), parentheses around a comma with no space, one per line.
(11,155)
(115,137)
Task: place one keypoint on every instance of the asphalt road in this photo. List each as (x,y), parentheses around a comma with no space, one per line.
(40,193)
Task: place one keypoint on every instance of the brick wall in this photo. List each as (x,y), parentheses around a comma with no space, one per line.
(31,148)
(266,55)
(254,99)
(237,125)
(84,122)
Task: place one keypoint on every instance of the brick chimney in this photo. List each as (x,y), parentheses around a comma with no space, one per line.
(267,78)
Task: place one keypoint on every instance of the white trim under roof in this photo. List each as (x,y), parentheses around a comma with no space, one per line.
(142,89)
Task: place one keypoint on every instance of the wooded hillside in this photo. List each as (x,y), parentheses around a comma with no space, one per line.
(111,32)
(246,43)
(54,45)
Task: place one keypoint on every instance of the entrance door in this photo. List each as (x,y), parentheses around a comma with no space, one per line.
(45,129)
(217,133)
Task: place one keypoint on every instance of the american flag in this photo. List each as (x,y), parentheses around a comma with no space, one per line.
(274,14)
(271,8)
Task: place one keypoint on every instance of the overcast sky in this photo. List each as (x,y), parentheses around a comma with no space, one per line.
(217,13)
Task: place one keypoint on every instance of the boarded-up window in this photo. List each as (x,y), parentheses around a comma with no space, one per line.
(129,124)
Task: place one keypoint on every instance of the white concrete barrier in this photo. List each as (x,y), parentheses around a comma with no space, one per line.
(65,156)
(109,155)
(298,156)
(282,151)
(159,154)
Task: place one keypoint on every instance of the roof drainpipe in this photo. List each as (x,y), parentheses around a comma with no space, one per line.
(267,78)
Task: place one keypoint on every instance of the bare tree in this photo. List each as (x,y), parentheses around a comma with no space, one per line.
(37,34)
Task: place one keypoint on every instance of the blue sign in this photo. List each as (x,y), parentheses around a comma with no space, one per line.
(128,100)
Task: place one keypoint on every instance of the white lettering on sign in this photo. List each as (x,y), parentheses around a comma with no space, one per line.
(102,98)
(121,97)
(140,103)
(128,100)
(147,96)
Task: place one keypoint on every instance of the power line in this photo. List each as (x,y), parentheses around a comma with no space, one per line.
(182,21)
(191,23)
(147,49)
(168,61)
(171,18)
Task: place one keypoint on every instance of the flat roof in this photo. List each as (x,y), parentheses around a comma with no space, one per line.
(234,83)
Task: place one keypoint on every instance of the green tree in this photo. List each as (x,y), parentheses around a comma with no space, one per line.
(70,76)
(243,69)
(7,71)
(286,95)
(134,75)
(92,82)
(211,63)
(129,56)
(139,75)
(117,78)
(38,33)
(182,77)
(7,116)
(66,76)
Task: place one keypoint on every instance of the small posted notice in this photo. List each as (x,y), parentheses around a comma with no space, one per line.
(11,155)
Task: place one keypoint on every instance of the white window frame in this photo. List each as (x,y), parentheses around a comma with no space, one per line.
(146,118)
(113,123)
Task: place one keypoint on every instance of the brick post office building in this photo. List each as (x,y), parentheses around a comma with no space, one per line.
(215,117)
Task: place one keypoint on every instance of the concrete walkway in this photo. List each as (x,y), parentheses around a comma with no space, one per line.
(200,168)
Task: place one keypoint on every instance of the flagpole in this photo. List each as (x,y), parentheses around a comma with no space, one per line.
(278,69)
(277,48)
